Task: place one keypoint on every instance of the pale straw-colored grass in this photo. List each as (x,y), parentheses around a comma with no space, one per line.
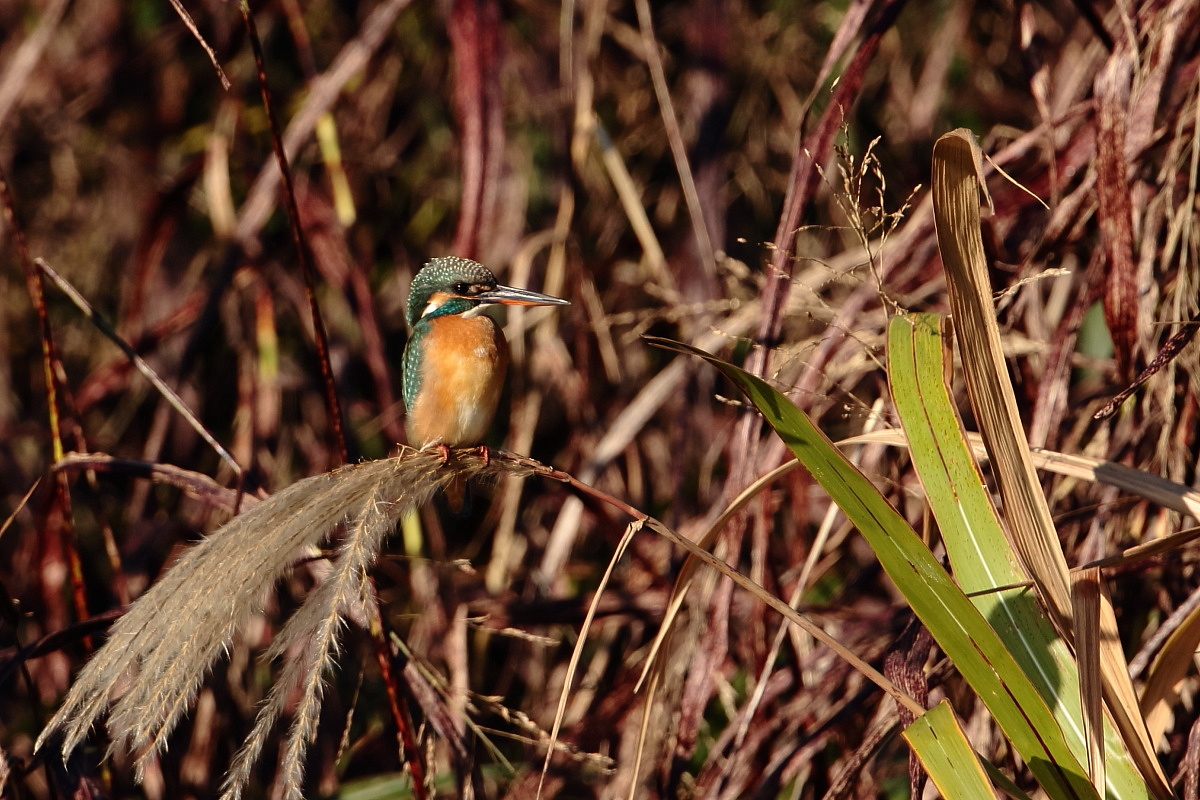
(156,656)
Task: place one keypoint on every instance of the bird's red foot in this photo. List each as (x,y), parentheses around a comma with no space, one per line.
(444,452)
(485,453)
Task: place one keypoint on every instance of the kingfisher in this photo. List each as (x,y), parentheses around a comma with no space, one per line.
(457,356)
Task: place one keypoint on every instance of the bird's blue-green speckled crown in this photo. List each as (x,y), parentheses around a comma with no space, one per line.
(441,273)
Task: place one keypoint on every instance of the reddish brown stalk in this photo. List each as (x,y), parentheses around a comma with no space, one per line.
(406,734)
(36,287)
(58,539)
(474,28)
(15,658)
(1115,213)
(194,484)
(812,151)
(1165,356)
(339,268)
(399,713)
(332,404)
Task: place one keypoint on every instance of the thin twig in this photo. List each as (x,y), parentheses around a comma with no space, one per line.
(105,327)
(675,138)
(212,55)
(1180,340)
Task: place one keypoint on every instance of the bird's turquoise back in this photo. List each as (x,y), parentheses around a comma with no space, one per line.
(411,367)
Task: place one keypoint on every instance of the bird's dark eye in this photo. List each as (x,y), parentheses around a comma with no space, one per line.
(461,288)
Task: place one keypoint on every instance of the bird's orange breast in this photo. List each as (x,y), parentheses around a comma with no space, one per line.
(463,362)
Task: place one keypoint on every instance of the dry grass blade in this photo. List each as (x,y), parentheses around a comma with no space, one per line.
(802,621)
(1155,488)
(631,202)
(1122,701)
(1085,594)
(675,138)
(956,188)
(1172,664)
(577,652)
(957,184)
(170,637)
(8,521)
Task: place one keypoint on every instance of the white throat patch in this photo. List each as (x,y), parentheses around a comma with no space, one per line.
(434,304)
(439,299)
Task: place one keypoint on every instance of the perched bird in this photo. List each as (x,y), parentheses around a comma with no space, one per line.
(455,360)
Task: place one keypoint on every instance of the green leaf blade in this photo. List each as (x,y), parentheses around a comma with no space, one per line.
(940,744)
(957,626)
(979,552)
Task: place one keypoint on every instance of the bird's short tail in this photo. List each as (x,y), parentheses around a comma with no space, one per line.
(457,494)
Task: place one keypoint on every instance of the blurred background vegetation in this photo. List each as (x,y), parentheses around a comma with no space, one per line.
(766,202)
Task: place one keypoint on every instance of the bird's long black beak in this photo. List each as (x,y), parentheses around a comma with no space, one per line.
(510,296)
